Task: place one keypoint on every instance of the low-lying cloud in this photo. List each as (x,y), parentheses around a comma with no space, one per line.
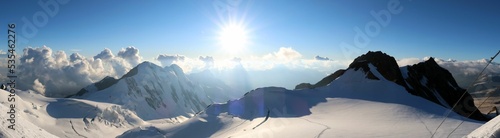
(54,74)
(167,60)
(130,54)
(104,55)
(284,53)
(208,60)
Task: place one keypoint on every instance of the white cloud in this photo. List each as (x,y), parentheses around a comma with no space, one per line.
(75,56)
(189,65)
(284,53)
(105,54)
(3,64)
(284,57)
(38,87)
(131,54)
(325,66)
(56,74)
(467,71)
(408,61)
(291,58)
(61,75)
(236,59)
(167,60)
(468,67)
(208,60)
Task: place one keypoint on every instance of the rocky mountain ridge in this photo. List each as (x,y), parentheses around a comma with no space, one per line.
(426,79)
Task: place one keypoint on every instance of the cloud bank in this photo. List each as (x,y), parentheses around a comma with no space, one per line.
(208,60)
(54,74)
(167,60)
(104,55)
(284,53)
(130,54)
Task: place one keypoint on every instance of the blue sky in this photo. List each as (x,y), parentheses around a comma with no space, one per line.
(457,29)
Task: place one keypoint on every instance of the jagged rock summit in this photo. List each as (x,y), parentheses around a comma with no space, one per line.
(386,65)
(432,82)
(426,79)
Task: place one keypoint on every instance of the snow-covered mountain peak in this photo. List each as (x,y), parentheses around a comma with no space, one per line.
(154,92)
(426,79)
(363,100)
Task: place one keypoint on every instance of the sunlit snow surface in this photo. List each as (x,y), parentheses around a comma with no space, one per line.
(489,130)
(351,106)
(65,117)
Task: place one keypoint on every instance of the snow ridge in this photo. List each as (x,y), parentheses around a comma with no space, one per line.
(341,108)
(153,92)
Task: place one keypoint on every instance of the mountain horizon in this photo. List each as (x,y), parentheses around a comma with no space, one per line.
(249,68)
(149,93)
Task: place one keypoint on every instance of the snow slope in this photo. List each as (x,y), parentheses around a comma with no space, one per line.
(488,130)
(350,106)
(163,102)
(23,127)
(38,116)
(147,95)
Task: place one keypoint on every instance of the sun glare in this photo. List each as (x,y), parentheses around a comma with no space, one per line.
(233,38)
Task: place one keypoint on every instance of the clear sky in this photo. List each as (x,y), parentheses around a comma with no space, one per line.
(457,29)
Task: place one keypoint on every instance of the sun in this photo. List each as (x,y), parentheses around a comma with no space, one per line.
(233,38)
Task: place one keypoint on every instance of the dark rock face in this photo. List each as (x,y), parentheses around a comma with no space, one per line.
(105,83)
(304,86)
(386,65)
(109,81)
(427,80)
(432,82)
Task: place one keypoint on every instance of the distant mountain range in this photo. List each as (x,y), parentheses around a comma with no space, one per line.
(373,97)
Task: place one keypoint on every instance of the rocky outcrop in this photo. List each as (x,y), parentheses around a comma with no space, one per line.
(386,65)
(426,79)
(430,81)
